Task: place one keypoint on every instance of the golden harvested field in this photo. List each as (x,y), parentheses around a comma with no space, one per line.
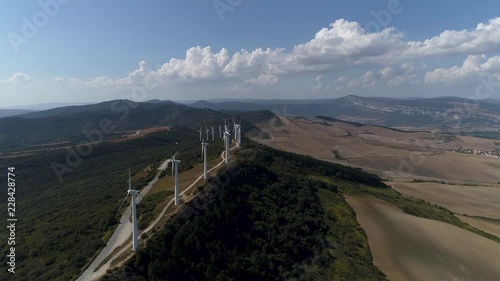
(406,247)
(391,153)
(480,201)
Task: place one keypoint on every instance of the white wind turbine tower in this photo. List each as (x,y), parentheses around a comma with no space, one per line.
(213,130)
(220,131)
(227,140)
(175,173)
(204,156)
(133,193)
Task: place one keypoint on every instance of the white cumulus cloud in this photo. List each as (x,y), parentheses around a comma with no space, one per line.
(17,78)
(474,66)
(386,55)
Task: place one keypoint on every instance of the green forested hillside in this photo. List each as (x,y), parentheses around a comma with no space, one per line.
(62,224)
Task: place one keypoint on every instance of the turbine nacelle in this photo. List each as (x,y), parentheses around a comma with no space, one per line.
(132,192)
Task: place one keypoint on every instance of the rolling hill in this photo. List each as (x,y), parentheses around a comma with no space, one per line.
(269,222)
(74,124)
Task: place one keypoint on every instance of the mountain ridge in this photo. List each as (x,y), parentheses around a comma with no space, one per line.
(441,112)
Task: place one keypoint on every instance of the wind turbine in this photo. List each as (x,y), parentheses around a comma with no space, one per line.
(133,193)
(220,131)
(213,130)
(175,173)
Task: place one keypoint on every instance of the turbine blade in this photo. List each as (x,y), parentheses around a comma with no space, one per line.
(121,205)
(129,178)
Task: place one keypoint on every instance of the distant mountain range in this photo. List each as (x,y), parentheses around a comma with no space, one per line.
(12,112)
(63,124)
(441,112)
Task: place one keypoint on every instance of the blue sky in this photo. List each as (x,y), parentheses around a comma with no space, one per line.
(88,51)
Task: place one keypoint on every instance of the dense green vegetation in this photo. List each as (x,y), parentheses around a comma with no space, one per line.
(63,224)
(268,223)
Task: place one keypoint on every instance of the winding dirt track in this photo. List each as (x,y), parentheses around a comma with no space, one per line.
(406,247)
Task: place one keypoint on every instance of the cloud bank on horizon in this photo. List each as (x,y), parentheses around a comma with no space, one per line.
(340,59)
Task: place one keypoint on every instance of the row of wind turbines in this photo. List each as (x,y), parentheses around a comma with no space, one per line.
(224,135)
